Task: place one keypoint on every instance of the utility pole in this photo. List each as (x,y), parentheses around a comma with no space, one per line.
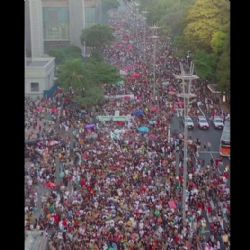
(186,95)
(154,37)
(136,24)
(144,33)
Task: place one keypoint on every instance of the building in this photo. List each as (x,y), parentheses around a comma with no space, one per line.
(59,23)
(39,75)
(52,24)
(39,68)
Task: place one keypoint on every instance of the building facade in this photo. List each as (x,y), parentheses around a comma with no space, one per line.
(39,75)
(59,23)
(53,24)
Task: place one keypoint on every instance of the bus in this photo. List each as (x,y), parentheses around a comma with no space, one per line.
(225,147)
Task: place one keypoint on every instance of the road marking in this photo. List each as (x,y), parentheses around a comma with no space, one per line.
(211,155)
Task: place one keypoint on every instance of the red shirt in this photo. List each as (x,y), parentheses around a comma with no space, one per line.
(56,218)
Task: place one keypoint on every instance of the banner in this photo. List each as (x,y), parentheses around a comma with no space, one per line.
(131,97)
(114,118)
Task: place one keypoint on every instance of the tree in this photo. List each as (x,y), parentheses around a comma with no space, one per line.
(100,72)
(86,78)
(97,36)
(218,41)
(205,65)
(71,74)
(93,95)
(168,14)
(63,54)
(223,67)
(204,19)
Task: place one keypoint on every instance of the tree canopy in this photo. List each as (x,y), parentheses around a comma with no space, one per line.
(206,20)
(97,36)
(201,26)
(63,54)
(205,65)
(86,78)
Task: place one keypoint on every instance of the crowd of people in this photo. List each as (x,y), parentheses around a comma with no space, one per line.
(101,192)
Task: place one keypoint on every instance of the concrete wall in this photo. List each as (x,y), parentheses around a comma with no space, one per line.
(77,21)
(36,28)
(27,30)
(43,75)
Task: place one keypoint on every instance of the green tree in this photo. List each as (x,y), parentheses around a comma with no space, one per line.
(223,67)
(91,96)
(86,79)
(97,37)
(71,74)
(206,18)
(168,14)
(63,54)
(218,41)
(205,65)
(100,72)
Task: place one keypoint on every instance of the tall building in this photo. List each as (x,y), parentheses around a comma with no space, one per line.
(39,68)
(52,24)
(62,21)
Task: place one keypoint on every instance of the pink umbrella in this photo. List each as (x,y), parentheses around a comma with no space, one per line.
(54,110)
(39,110)
(136,75)
(172,204)
(154,109)
(51,185)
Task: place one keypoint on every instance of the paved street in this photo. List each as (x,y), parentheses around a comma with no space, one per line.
(211,135)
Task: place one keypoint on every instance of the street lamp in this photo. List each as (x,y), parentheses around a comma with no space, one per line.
(154,37)
(154,28)
(144,12)
(186,95)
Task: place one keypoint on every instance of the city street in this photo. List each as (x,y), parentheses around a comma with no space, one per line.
(211,135)
(111,170)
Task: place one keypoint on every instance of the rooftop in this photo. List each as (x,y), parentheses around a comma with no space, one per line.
(37,63)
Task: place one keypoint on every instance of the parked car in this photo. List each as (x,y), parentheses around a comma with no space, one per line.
(218,122)
(202,122)
(189,122)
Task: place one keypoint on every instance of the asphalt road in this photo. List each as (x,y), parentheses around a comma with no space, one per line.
(211,135)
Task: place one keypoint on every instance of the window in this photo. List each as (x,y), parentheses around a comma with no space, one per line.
(90,17)
(34,86)
(56,23)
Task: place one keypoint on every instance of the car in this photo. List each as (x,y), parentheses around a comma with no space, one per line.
(202,122)
(218,122)
(187,120)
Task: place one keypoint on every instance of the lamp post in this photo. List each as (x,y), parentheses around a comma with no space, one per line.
(154,62)
(154,28)
(144,33)
(186,95)
(136,6)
